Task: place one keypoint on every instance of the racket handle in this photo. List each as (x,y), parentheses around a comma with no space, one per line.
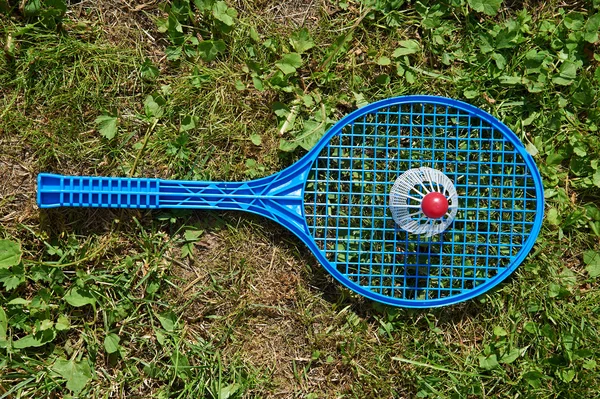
(98,192)
(118,192)
(278,197)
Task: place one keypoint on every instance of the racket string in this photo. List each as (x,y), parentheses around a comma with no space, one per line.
(348,216)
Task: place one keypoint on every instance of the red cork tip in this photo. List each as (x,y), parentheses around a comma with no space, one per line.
(434,205)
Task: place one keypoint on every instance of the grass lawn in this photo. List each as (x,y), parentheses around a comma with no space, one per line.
(100,303)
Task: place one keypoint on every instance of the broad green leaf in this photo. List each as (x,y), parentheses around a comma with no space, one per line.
(209,49)
(384,79)
(592,26)
(204,5)
(312,131)
(471,93)
(485,43)
(580,151)
(289,63)
(360,99)
(254,34)
(595,226)
(13,277)
(510,80)
(567,73)
(152,108)
(175,30)
(281,110)
(168,320)
(287,146)
(500,60)
(32,8)
(596,178)
(534,378)
(574,21)
(78,296)
(181,364)
(107,125)
(258,84)
(192,234)
(173,53)
(63,323)
(160,337)
(568,69)
(162,25)
(224,13)
(592,261)
(10,253)
(406,47)
(566,375)
(554,159)
(256,139)
(46,324)
(579,166)
(489,7)
(77,374)
(3,324)
(187,123)
(301,41)
(530,327)
(111,343)
(166,90)
(507,38)
(19,301)
(174,23)
(308,100)
(589,364)
(383,61)
(187,249)
(582,353)
(149,70)
(568,277)
(181,9)
(510,356)
(153,286)
(38,339)
(593,211)
(532,149)
(239,85)
(557,291)
(53,11)
(227,391)
(488,362)
(500,332)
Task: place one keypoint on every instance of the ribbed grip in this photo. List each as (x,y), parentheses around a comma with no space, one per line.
(104,192)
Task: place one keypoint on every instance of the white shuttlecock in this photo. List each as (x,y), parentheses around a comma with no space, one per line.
(423,201)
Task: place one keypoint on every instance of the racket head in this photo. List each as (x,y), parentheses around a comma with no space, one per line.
(349,225)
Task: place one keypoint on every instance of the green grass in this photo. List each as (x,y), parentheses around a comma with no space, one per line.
(137,304)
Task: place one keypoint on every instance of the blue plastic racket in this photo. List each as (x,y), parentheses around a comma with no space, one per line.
(414,201)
